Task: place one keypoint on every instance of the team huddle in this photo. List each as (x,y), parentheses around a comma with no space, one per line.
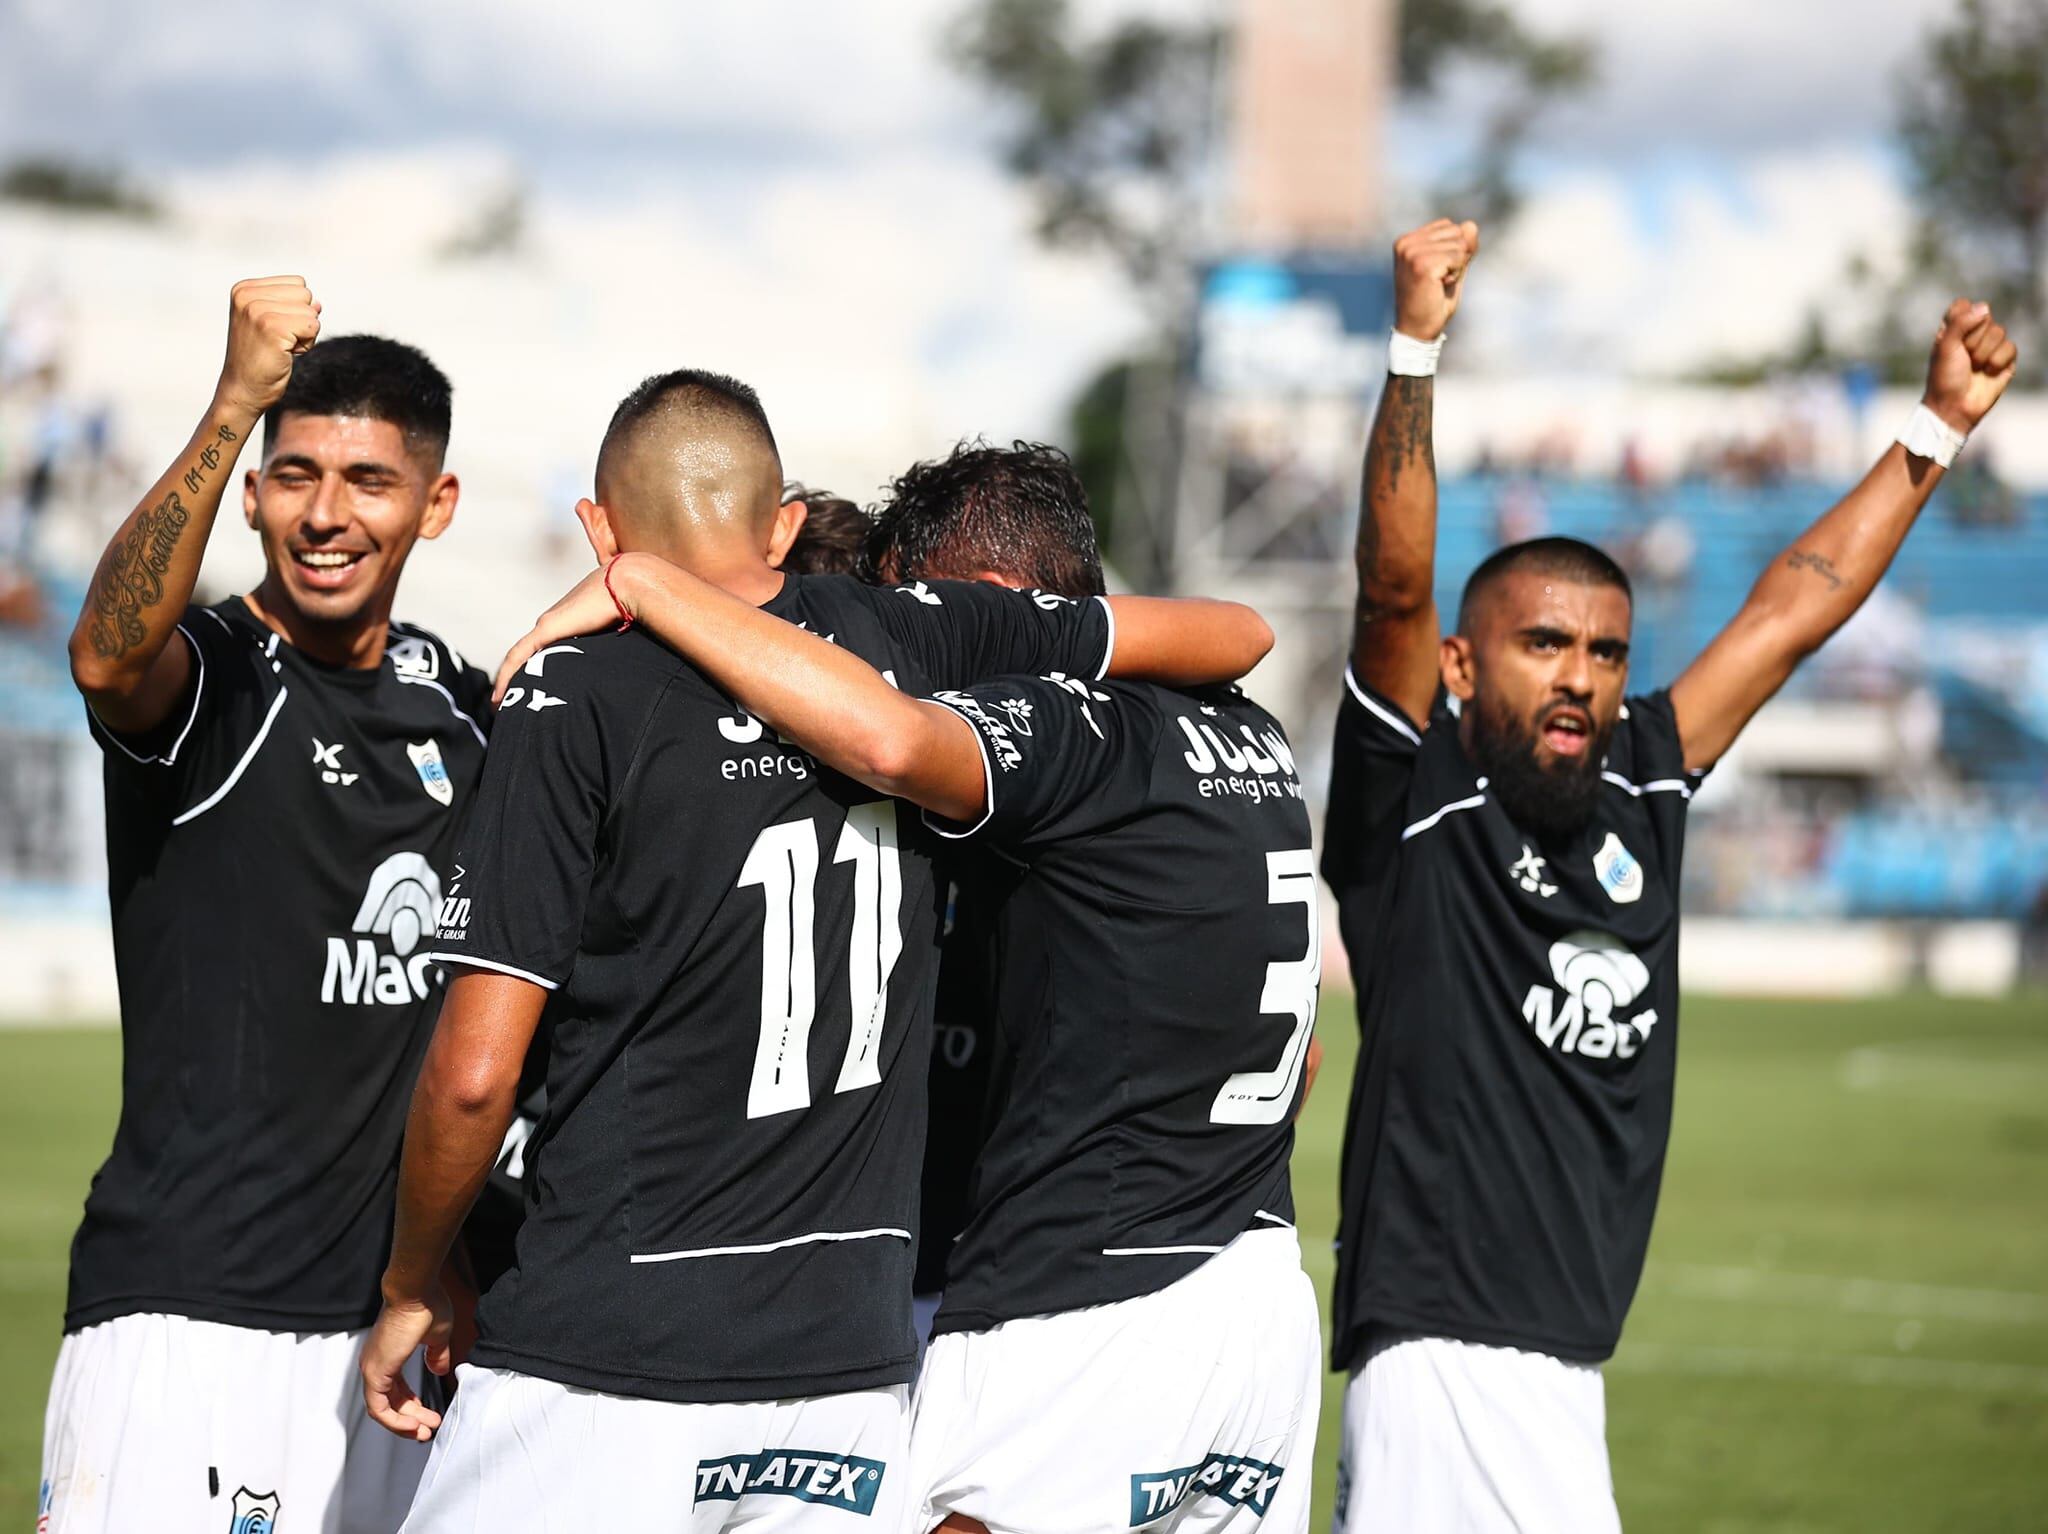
(815,1040)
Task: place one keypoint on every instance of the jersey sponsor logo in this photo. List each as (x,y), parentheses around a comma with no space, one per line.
(328,759)
(1238,763)
(253,1514)
(414,657)
(776,758)
(844,1481)
(1018,712)
(1527,871)
(1599,979)
(1002,749)
(451,922)
(1231,1480)
(1618,871)
(426,759)
(400,906)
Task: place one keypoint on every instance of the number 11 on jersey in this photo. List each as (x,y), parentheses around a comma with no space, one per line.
(784,863)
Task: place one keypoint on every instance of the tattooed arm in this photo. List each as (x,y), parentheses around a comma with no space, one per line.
(1394,641)
(122,657)
(1812,588)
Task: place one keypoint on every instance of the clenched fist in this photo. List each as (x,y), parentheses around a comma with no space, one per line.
(271,320)
(1973,361)
(1429,273)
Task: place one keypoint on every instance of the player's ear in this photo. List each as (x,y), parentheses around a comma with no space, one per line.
(441,499)
(1454,660)
(790,517)
(597,527)
(249,498)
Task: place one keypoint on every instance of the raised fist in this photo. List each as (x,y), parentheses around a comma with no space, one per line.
(1429,274)
(271,320)
(1973,361)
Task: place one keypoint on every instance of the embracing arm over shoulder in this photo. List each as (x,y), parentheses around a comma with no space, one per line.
(1395,637)
(122,658)
(1816,584)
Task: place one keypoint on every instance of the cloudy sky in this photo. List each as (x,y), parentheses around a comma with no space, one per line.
(807,176)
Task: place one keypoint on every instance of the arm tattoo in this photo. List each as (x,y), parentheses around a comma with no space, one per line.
(1403,430)
(130,579)
(1819,564)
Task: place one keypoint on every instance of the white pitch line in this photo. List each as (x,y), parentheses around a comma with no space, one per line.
(1868,1296)
(1830,1368)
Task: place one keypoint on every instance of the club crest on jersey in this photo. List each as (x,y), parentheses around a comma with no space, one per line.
(414,659)
(844,1481)
(400,906)
(426,757)
(1229,1479)
(1600,979)
(1618,871)
(253,1514)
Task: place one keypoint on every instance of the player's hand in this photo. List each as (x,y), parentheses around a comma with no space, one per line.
(401,1330)
(1972,363)
(1429,276)
(271,320)
(587,609)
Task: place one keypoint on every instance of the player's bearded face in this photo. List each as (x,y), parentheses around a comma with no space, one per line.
(1548,676)
(339,503)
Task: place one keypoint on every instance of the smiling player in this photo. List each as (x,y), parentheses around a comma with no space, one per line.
(283,775)
(1507,877)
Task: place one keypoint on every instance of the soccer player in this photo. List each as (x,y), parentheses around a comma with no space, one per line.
(1127,1338)
(708,1321)
(1506,861)
(831,538)
(284,770)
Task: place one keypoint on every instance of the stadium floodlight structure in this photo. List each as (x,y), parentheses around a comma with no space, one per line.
(1242,449)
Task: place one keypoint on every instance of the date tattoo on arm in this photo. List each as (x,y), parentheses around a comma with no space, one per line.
(130,579)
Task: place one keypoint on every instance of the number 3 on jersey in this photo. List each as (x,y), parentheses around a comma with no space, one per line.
(1264,1097)
(784,863)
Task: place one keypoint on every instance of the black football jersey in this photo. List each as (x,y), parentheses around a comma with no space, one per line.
(277,854)
(1518,1003)
(725,1180)
(1158,959)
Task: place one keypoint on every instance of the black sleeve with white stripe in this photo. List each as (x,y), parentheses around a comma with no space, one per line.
(225,702)
(963,632)
(1058,757)
(530,844)
(1372,764)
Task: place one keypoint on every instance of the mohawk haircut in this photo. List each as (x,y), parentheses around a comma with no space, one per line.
(374,378)
(697,390)
(1018,512)
(1566,558)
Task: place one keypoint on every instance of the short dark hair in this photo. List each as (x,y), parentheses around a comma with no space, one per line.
(716,393)
(832,537)
(1566,558)
(372,377)
(1019,512)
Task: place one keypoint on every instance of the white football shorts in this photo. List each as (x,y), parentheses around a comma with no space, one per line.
(1460,1438)
(521,1455)
(180,1426)
(1190,1409)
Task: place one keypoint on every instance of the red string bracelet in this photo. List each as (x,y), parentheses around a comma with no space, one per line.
(625,618)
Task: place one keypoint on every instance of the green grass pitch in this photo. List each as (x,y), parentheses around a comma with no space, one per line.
(1844,1325)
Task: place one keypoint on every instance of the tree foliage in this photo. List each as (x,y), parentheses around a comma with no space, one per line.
(1973,121)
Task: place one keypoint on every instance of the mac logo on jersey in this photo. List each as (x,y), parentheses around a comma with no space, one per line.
(399,906)
(253,1514)
(426,757)
(1230,1480)
(843,1481)
(1600,978)
(1618,871)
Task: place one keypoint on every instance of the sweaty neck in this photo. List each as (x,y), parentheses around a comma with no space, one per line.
(357,645)
(738,569)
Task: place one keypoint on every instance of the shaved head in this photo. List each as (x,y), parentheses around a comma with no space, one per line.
(1564,559)
(689,461)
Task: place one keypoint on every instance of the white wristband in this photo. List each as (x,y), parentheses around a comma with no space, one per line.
(1927,435)
(1410,358)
